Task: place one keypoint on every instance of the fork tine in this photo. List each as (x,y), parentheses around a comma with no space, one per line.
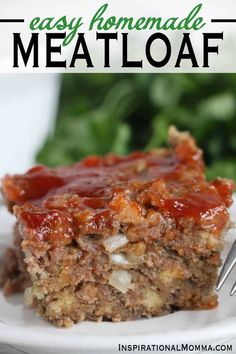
(233,290)
(227,267)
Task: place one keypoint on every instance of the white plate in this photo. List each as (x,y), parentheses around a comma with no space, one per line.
(20,327)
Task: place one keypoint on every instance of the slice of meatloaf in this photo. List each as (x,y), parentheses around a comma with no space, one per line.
(118,238)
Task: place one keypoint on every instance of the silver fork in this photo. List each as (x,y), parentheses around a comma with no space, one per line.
(227,268)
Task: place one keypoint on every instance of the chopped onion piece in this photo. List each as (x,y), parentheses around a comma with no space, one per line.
(126,260)
(135,260)
(121,280)
(119,259)
(114,242)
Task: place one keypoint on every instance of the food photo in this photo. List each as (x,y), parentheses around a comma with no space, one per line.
(117,212)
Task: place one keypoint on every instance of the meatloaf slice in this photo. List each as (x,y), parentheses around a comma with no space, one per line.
(119,238)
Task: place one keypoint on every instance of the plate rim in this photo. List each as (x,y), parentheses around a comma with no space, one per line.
(31,337)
